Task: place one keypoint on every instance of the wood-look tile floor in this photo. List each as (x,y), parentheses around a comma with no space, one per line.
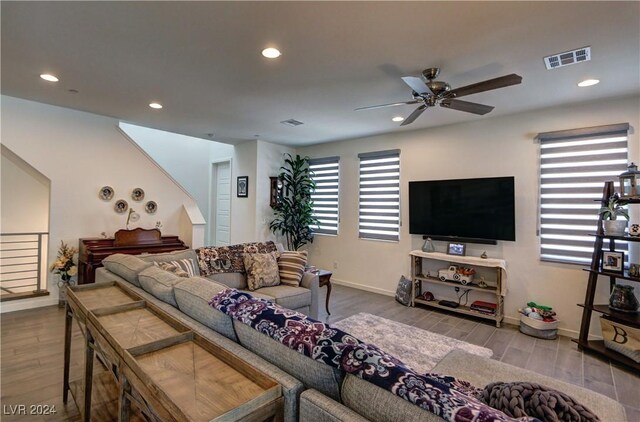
(32,353)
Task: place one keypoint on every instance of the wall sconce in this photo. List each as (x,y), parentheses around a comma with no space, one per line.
(629,182)
(276,191)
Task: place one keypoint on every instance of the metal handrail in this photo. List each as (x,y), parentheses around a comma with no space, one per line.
(16,270)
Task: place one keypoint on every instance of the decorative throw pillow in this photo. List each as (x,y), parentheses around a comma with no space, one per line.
(181,267)
(262,270)
(172,268)
(291,265)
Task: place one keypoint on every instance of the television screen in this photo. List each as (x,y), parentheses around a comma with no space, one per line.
(473,209)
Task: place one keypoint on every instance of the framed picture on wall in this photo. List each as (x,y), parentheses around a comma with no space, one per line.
(243,187)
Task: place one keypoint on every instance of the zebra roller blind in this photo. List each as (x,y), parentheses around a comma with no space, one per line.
(574,165)
(326,196)
(379,199)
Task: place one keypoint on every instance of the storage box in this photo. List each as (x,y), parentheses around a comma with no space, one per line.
(538,328)
(621,338)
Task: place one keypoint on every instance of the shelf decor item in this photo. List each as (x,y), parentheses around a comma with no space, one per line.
(629,182)
(622,338)
(634,230)
(623,299)
(456,249)
(612,261)
(428,246)
(610,212)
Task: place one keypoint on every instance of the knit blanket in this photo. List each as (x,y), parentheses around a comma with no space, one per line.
(229,259)
(448,397)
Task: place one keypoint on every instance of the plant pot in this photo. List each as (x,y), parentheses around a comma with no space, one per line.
(614,227)
(623,299)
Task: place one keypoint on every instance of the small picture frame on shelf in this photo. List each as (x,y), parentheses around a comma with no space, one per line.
(613,262)
(634,270)
(459,249)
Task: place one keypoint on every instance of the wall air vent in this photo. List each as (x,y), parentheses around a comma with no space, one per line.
(568,57)
(292,122)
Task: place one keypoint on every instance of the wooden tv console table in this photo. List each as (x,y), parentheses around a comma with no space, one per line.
(161,366)
(496,274)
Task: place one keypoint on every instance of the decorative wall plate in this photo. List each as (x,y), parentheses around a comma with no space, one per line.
(121,206)
(106,193)
(151,207)
(137,194)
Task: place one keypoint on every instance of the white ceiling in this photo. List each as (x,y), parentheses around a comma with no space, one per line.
(202,60)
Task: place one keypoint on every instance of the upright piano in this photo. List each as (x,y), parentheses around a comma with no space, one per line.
(132,242)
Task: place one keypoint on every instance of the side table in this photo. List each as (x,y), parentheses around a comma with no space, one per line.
(325,280)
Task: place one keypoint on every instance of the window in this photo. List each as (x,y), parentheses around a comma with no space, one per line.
(326,198)
(574,164)
(379,210)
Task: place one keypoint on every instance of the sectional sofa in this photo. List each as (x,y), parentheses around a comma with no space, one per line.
(312,391)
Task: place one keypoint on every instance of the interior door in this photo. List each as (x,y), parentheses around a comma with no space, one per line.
(223,204)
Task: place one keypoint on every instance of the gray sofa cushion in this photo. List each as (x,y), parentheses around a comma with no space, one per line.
(313,374)
(126,266)
(173,256)
(193,295)
(482,371)
(287,296)
(159,283)
(233,280)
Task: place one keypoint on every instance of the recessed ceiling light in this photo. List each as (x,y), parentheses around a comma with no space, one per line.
(398,119)
(588,82)
(48,77)
(157,106)
(271,53)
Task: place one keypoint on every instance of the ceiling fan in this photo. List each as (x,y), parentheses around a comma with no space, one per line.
(432,93)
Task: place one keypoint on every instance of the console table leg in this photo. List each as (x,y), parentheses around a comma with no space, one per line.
(68,323)
(88,376)
(124,402)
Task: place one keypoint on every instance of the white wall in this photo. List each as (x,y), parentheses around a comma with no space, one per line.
(79,153)
(270,159)
(243,210)
(501,146)
(24,196)
(187,159)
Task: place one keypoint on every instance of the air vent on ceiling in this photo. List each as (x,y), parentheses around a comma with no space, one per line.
(292,122)
(568,57)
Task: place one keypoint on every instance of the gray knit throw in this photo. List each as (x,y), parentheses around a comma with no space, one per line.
(518,399)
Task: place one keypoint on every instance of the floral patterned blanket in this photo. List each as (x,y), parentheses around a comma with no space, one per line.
(450,398)
(229,259)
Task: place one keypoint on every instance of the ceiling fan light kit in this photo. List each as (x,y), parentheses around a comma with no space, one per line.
(428,92)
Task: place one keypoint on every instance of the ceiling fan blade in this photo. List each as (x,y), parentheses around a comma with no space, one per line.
(460,105)
(501,82)
(417,85)
(386,105)
(416,113)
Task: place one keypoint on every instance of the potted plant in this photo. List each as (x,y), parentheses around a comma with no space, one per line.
(65,268)
(294,211)
(610,212)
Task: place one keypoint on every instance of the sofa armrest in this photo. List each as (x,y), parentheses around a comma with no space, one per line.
(316,407)
(312,282)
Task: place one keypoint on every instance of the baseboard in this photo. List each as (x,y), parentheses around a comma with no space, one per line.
(363,287)
(21,305)
(511,320)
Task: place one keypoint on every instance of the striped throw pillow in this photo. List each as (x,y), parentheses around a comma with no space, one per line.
(181,267)
(291,265)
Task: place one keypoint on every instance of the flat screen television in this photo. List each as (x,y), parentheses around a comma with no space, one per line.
(467,210)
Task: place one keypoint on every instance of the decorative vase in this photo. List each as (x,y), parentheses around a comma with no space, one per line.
(428,246)
(623,299)
(614,227)
(62,291)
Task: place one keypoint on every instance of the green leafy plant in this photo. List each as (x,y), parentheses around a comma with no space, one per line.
(613,209)
(294,212)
